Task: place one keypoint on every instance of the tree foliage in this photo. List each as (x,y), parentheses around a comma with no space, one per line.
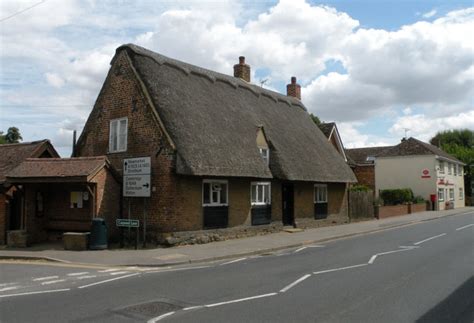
(12,136)
(315,119)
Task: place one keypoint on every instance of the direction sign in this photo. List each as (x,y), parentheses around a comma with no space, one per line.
(137,166)
(137,186)
(128,223)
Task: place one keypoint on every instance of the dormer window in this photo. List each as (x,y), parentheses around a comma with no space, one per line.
(370,158)
(265,153)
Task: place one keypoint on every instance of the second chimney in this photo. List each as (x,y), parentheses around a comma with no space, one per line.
(293,89)
(242,70)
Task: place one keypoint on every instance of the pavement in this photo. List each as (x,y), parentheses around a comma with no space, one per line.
(223,249)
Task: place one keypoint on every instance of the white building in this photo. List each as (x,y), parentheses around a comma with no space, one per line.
(424,168)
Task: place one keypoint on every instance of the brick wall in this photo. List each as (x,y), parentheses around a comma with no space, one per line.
(108,197)
(365,176)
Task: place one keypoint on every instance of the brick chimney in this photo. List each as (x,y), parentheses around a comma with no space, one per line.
(242,70)
(293,89)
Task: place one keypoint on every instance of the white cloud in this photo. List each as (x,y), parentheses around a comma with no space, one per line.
(54,79)
(429,14)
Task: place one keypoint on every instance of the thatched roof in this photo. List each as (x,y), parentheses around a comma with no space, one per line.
(326,128)
(11,155)
(213,120)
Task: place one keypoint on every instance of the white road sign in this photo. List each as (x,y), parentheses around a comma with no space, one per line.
(137,166)
(136,177)
(136,186)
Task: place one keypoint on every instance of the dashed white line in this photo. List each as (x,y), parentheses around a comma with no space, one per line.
(39,292)
(293,284)
(241,300)
(156,319)
(300,249)
(78,274)
(86,277)
(6,284)
(464,227)
(337,269)
(108,270)
(53,281)
(119,273)
(372,259)
(108,280)
(8,288)
(45,278)
(177,269)
(430,238)
(232,261)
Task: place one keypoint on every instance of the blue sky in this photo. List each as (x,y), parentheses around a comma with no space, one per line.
(374,67)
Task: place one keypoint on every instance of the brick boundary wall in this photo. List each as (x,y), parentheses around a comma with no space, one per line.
(396,210)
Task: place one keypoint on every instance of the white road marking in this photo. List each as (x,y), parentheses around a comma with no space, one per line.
(241,300)
(40,292)
(6,284)
(156,319)
(232,261)
(300,249)
(86,277)
(316,246)
(108,270)
(372,259)
(337,269)
(428,239)
(293,284)
(193,308)
(53,281)
(78,274)
(119,273)
(45,278)
(464,227)
(8,288)
(177,269)
(108,280)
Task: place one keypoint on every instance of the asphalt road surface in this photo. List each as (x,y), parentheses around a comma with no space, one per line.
(417,273)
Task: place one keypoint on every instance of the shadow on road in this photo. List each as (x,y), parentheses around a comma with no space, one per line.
(457,307)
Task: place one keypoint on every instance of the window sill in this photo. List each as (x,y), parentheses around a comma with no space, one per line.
(213,205)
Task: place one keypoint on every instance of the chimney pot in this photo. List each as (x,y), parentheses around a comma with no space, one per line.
(242,70)
(293,89)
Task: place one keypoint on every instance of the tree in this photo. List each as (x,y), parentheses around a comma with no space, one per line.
(460,144)
(12,136)
(315,119)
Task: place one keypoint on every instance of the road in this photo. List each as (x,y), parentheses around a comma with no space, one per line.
(416,273)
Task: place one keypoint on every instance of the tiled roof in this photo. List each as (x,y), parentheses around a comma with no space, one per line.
(42,168)
(412,146)
(359,155)
(11,155)
(326,128)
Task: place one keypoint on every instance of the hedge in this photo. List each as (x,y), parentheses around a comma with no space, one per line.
(396,196)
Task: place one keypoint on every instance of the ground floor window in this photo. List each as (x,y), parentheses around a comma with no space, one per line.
(451,194)
(320,193)
(260,193)
(461,193)
(440,194)
(214,193)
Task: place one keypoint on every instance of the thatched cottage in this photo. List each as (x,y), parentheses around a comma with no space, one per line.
(224,152)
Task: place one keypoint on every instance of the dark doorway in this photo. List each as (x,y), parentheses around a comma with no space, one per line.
(287,192)
(15,205)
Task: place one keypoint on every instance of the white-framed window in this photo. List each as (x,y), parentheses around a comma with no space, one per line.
(265,153)
(449,169)
(260,193)
(455,169)
(118,135)
(214,192)
(320,193)
(451,194)
(440,194)
(461,193)
(441,167)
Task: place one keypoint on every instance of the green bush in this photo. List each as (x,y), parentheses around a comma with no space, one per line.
(396,196)
(418,199)
(359,188)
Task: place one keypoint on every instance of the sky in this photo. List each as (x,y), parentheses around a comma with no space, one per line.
(379,69)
